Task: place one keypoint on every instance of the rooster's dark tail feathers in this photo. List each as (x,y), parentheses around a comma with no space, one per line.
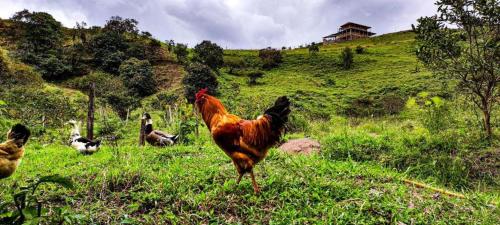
(279,112)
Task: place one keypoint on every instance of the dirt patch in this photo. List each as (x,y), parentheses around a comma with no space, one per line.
(168,75)
(301,146)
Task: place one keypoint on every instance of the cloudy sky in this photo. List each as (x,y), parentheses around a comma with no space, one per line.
(235,23)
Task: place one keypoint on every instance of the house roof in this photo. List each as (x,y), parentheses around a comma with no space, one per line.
(355,24)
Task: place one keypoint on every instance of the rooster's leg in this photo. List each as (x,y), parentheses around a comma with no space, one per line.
(239,178)
(254,183)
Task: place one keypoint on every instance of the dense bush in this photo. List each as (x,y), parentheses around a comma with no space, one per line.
(209,54)
(346,58)
(253,75)
(313,48)
(122,103)
(199,76)
(181,52)
(137,75)
(270,58)
(105,48)
(111,62)
(53,68)
(360,49)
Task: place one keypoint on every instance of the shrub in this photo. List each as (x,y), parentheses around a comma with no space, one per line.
(122,103)
(209,54)
(313,48)
(137,75)
(199,76)
(253,76)
(360,49)
(270,58)
(53,68)
(181,52)
(347,58)
(111,62)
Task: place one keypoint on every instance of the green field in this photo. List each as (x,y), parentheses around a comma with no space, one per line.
(357,178)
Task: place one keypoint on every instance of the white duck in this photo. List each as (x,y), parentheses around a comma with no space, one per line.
(82,144)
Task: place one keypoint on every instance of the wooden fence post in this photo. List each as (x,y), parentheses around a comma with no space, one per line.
(90,114)
(141,135)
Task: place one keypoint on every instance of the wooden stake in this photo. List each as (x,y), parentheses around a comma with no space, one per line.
(90,113)
(141,135)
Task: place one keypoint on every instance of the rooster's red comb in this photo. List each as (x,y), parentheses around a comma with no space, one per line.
(201,92)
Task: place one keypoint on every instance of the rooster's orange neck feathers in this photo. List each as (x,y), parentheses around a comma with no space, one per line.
(210,108)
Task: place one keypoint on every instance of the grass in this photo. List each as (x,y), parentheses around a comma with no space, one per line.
(196,184)
(387,67)
(356,179)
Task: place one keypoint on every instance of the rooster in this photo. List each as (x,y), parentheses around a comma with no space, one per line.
(246,142)
(11,151)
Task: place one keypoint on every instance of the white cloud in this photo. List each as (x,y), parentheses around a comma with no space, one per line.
(235,23)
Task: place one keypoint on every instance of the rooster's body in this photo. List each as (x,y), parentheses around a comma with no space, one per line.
(12,151)
(246,142)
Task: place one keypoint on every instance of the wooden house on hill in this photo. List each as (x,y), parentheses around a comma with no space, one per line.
(347,32)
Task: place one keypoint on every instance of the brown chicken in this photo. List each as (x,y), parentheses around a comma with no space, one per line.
(11,151)
(246,142)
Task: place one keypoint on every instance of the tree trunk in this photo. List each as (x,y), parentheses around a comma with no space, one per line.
(487,123)
(196,131)
(90,113)
(141,135)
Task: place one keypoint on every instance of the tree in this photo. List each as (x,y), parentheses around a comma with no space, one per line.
(121,26)
(181,52)
(105,48)
(313,48)
(270,58)
(122,103)
(199,76)
(137,75)
(209,54)
(41,33)
(346,57)
(469,53)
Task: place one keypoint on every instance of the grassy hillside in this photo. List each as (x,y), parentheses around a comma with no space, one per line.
(320,87)
(356,179)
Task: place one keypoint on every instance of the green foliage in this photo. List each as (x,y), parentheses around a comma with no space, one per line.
(122,103)
(253,76)
(53,68)
(234,63)
(313,48)
(209,54)
(199,76)
(468,54)
(28,203)
(360,49)
(137,76)
(270,57)
(435,112)
(181,52)
(40,32)
(117,24)
(346,57)
(107,49)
